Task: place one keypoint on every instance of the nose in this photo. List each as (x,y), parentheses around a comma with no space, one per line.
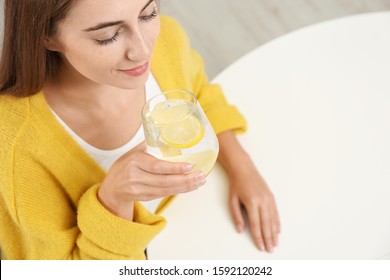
(137,47)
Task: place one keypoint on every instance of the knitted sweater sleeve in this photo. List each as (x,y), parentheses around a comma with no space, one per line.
(48,195)
(117,238)
(222,115)
(55,224)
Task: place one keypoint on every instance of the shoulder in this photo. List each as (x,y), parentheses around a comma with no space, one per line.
(172,44)
(13,109)
(173,61)
(170,26)
(14,112)
(172,34)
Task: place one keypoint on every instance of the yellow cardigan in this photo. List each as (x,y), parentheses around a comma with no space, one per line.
(48,183)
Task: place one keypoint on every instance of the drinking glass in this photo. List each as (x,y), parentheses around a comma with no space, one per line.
(177,130)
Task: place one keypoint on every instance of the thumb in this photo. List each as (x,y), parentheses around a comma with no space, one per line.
(141,147)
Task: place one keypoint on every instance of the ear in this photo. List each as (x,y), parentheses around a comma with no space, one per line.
(52,44)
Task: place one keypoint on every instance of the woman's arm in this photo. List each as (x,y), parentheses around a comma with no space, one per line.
(186,71)
(249,192)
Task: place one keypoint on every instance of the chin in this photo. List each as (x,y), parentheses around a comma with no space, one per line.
(132,83)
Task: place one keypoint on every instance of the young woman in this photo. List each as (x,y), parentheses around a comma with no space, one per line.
(75,180)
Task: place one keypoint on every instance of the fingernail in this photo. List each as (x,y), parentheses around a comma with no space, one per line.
(200,179)
(262,247)
(202,182)
(188,167)
(201,176)
(240,228)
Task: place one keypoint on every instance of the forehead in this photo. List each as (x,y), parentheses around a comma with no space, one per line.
(87,12)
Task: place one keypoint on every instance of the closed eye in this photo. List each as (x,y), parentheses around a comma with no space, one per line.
(108,41)
(150,17)
(145,18)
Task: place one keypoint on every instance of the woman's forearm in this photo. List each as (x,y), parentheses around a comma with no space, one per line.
(232,156)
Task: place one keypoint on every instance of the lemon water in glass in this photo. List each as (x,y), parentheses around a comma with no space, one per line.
(177,130)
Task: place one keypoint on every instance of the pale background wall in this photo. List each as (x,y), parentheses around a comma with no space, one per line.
(224,30)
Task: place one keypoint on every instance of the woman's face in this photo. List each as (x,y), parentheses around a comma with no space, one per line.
(108,42)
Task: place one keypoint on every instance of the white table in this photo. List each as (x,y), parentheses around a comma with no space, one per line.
(318,105)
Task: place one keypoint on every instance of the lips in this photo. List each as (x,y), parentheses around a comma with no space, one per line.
(137,71)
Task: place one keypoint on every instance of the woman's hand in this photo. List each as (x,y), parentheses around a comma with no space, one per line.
(249,193)
(138,176)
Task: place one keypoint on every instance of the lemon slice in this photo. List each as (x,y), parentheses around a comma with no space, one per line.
(178,127)
(183,134)
(170,111)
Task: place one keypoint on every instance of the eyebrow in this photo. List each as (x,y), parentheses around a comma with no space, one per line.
(113,23)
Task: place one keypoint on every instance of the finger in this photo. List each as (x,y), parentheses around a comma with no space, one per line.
(141,147)
(266,228)
(277,221)
(158,166)
(146,186)
(275,235)
(254,223)
(235,210)
(276,227)
(157,192)
(177,181)
(154,165)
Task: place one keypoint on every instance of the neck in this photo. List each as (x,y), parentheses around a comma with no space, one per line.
(70,89)
(104,116)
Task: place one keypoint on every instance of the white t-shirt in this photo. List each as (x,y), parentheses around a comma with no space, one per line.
(105,158)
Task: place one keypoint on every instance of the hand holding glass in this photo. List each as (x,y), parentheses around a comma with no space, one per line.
(177,130)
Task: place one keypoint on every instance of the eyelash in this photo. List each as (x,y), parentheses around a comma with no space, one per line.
(115,37)
(150,17)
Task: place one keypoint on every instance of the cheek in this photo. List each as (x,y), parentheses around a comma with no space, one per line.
(88,60)
(156,28)
(152,31)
